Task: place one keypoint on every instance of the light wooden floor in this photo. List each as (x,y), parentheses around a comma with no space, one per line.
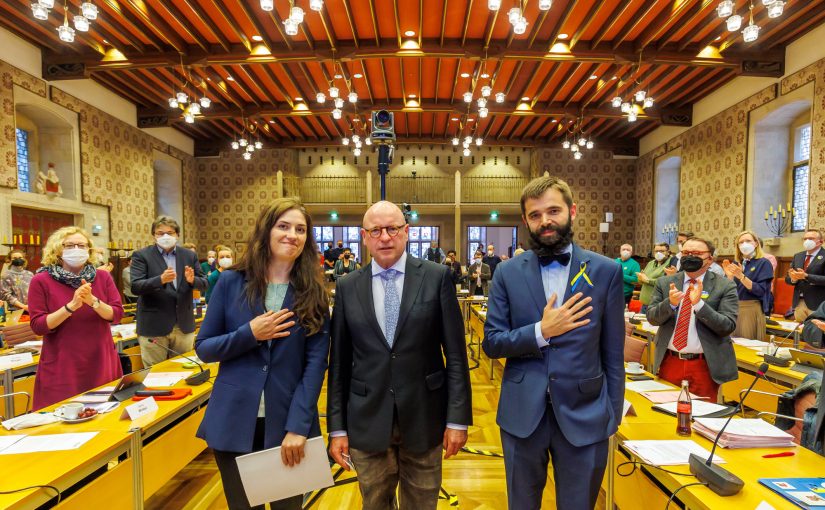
(477,481)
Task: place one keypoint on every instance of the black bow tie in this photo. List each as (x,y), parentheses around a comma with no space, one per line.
(561,258)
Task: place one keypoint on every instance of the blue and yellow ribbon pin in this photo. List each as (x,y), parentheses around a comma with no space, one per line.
(580,277)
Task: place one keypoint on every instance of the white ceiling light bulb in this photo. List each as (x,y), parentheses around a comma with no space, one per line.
(500,97)
(494,5)
(321,98)
(268,5)
(648,102)
(750,33)
(775,9)
(481,102)
(616,102)
(81,24)
(520,26)
(368,141)
(486,91)
(589,144)
(479,141)
(468,139)
(513,15)
(631,116)
(352,97)
(333,92)
(316,5)
(356,138)
(205,102)
(66,32)
(468,97)
(173,103)
(482,112)
(734,23)
(339,102)
(356,151)
(242,142)
(574,147)
(640,96)
(234,144)
(358,145)
(578,155)
(250,147)
(545,5)
(89,10)
(296,14)
(466,153)
(725,8)
(582,141)
(290,26)
(195,108)
(565,144)
(182,97)
(247,156)
(455,141)
(626,107)
(345,140)
(40,11)
(259,145)
(466,145)
(189,118)
(336,113)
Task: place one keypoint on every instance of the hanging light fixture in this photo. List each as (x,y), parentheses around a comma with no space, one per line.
(182,97)
(481,102)
(242,142)
(468,97)
(520,26)
(734,23)
(565,144)
(345,140)
(290,26)
(48,4)
(486,91)
(578,155)
(333,91)
(513,15)
(188,117)
(648,102)
(368,141)
(500,97)
(234,145)
(247,156)
(339,102)
(725,8)
(545,5)
(582,141)
(89,10)
(296,14)
(482,112)
(626,107)
(268,5)
(589,144)
(65,32)
(356,151)
(632,116)
(479,141)
(321,98)
(751,32)
(640,96)
(352,97)
(574,147)
(616,102)
(40,11)
(81,24)
(466,152)
(195,108)
(455,141)
(336,113)
(494,5)
(205,102)
(776,9)
(316,5)
(259,145)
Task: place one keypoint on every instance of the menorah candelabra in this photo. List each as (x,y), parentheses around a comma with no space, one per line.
(779,219)
(669,232)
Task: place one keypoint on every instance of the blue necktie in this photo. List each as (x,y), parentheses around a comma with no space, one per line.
(392,302)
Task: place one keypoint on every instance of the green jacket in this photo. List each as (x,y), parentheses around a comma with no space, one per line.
(629,269)
(654,271)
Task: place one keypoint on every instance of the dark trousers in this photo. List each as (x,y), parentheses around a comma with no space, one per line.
(231,478)
(627,299)
(417,476)
(578,471)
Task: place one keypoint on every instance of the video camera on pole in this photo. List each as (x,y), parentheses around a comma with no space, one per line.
(383,135)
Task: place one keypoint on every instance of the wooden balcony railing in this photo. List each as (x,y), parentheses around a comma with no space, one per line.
(418,190)
(493,190)
(327,190)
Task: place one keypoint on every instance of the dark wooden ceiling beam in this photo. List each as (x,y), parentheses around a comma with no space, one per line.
(183,21)
(634,22)
(155,22)
(348,11)
(557,28)
(116,9)
(776,33)
(585,24)
(466,25)
(207,20)
(666,18)
(693,17)
(116,39)
(613,18)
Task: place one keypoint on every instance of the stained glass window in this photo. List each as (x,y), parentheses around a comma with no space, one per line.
(22,160)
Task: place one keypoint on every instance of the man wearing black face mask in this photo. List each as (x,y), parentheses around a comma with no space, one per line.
(14,287)
(696,312)
(563,385)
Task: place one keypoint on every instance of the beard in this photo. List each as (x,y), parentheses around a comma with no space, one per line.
(554,244)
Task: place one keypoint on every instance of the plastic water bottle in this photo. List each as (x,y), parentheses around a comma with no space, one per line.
(684,410)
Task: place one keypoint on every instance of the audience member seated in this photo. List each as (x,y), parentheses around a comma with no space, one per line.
(345,265)
(72,306)
(14,286)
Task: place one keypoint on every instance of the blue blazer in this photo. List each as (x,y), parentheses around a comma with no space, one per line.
(290,372)
(584,367)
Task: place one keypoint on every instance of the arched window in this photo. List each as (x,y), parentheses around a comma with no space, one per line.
(800,175)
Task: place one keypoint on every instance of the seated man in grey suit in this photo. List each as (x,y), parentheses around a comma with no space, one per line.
(163,277)
(696,312)
(479,275)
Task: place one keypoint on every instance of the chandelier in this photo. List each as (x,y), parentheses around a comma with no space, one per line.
(181,100)
(356,141)
(467,142)
(636,103)
(81,21)
(296,14)
(247,145)
(335,94)
(576,140)
(733,22)
(516,14)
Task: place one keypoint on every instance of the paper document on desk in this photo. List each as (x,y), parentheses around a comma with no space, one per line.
(744,433)
(668,452)
(188,359)
(164,379)
(7,441)
(663,397)
(747,342)
(16,360)
(49,443)
(265,477)
(640,386)
(699,408)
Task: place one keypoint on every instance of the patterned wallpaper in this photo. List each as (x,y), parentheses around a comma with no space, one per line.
(116,159)
(232,191)
(600,184)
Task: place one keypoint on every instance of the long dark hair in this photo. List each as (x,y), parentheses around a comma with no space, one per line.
(311,298)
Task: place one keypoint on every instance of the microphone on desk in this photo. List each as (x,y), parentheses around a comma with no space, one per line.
(773,359)
(195,379)
(720,480)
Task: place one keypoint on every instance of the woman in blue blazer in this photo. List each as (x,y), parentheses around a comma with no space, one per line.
(268,326)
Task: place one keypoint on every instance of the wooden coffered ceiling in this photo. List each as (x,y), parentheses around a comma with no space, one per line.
(239,56)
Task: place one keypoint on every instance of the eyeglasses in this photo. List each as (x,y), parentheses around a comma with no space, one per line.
(392,231)
(161,234)
(694,253)
(80,246)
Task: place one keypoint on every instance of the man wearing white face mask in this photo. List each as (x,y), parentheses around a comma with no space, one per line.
(630,270)
(654,270)
(807,275)
(676,260)
(225,259)
(163,277)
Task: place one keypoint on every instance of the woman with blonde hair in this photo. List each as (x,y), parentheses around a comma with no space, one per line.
(72,306)
(225,259)
(752,273)
(268,326)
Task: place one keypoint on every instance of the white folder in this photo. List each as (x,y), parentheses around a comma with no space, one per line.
(266,478)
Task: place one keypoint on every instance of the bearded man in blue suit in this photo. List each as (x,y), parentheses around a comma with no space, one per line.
(556,314)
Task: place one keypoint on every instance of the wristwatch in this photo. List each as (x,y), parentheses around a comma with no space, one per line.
(97,303)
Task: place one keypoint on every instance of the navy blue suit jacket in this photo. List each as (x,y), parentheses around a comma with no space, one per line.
(290,372)
(584,368)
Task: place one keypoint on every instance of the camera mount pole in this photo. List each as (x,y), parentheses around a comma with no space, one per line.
(383,167)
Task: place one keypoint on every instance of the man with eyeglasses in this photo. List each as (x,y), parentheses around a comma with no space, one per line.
(163,277)
(696,312)
(399,385)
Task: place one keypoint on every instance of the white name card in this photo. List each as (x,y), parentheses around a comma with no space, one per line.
(138,409)
(15,360)
(628,409)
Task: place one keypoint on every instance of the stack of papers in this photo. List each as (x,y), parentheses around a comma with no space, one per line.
(756,345)
(699,408)
(668,452)
(744,433)
(644,386)
(45,443)
(662,397)
(164,379)
(125,330)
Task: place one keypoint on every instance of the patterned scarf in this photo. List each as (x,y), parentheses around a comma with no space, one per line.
(74,281)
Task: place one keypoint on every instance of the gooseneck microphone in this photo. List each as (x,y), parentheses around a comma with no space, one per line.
(195,379)
(720,480)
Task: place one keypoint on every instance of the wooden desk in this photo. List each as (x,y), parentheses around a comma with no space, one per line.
(158,446)
(779,380)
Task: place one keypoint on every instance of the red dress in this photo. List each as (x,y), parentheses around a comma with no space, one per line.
(80,354)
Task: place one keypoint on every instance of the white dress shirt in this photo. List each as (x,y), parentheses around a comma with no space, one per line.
(694,346)
(554,277)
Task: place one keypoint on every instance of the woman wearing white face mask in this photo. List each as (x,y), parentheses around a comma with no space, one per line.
(225,259)
(654,270)
(752,273)
(72,306)
(211,263)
